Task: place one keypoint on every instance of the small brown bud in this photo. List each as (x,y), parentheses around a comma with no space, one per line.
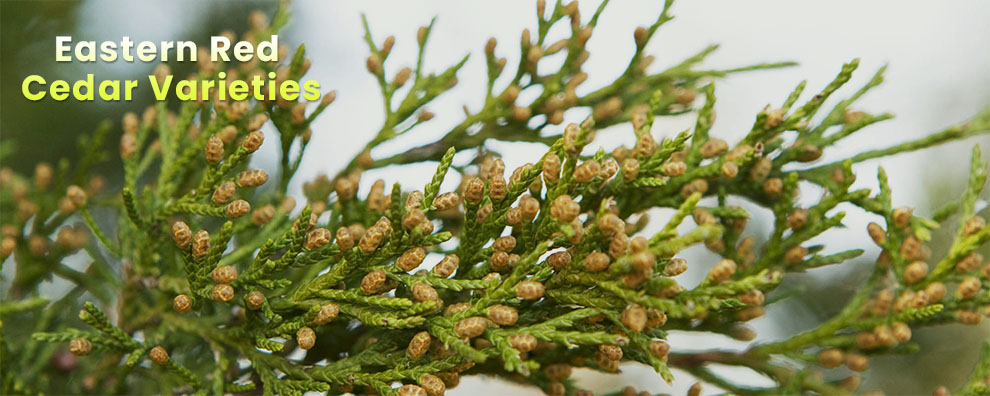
(418,346)
(263,215)
(795,254)
(761,169)
(254,300)
(411,390)
(505,244)
(257,121)
(345,239)
(529,207)
(902,332)
(201,244)
(413,219)
(503,314)
(224,192)
(935,291)
(182,235)
(520,113)
(401,77)
(857,362)
(128,146)
(451,379)
(559,260)
(455,308)
(471,327)
(968,288)
(287,205)
(214,149)
(729,170)
(587,171)
(641,35)
(499,261)
(387,46)
(877,233)
(713,147)
(969,263)
(797,218)
(373,282)
(551,168)
(530,290)
(630,169)
(327,313)
(497,188)
(424,292)
(411,259)
(252,142)
(703,217)
(446,201)
(673,168)
(882,303)
(224,274)
(722,271)
(974,225)
(513,217)
(523,342)
(774,118)
(969,317)
(237,209)
(611,224)
(634,317)
(915,271)
(607,365)
(447,266)
(752,298)
(884,336)
(911,247)
(558,371)
(655,318)
(618,246)
(76,195)
(80,346)
(694,186)
(743,333)
(610,352)
(374,64)
(831,358)
(252,178)
(374,236)
(676,267)
(433,385)
(345,188)
(222,292)
(609,169)
(474,191)
(645,146)
(750,313)
(773,187)
(158,355)
(660,349)
(596,262)
(564,209)
(808,153)
(902,216)
(182,304)
(306,338)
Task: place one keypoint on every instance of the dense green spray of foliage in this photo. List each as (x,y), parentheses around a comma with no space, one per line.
(205,278)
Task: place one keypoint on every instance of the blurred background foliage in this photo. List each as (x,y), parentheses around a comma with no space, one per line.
(47,130)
